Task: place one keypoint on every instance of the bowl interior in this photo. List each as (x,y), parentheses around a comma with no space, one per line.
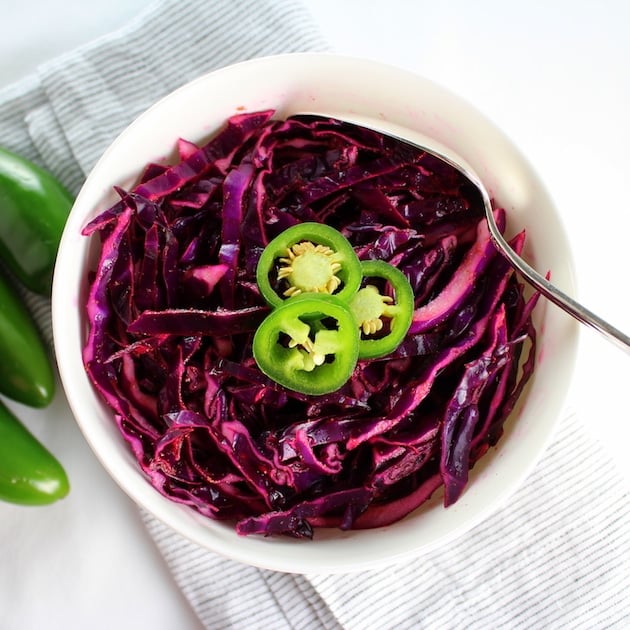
(386,95)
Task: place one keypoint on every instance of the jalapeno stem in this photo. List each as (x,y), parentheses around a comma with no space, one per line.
(310,268)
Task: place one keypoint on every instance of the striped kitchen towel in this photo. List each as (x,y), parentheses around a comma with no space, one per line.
(557,557)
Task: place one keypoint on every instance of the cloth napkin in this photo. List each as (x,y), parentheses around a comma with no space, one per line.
(557,557)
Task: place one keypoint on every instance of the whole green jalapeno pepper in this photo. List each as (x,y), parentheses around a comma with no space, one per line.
(29,473)
(26,373)
(34,207)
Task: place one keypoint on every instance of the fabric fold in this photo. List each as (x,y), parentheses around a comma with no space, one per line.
(97,91)
(225,593)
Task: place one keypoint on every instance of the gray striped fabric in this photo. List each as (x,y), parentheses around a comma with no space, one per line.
(557,557)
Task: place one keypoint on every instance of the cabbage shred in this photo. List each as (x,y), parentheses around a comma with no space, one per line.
(173,305)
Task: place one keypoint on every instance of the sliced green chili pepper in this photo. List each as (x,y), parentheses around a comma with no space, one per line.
(34,207)
(383,320)
(29,473)
(26,373)
(308,258)
(308,344)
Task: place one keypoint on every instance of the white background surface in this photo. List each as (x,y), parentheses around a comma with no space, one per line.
(554,75)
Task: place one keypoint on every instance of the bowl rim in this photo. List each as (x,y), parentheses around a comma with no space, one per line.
(324,554)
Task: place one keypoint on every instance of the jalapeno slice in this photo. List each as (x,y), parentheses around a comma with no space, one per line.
(308,258)
(383,318)
(308,344)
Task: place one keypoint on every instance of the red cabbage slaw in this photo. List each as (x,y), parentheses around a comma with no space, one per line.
(173,306)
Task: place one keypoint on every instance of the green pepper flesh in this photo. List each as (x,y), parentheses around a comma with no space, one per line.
(26,373)
(34,208)
(29,473)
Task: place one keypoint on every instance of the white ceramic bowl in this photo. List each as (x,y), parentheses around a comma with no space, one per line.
(368,90)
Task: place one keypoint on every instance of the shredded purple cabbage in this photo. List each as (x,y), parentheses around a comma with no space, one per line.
(173,305)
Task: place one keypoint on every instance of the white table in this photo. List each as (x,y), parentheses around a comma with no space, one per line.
(554,75)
